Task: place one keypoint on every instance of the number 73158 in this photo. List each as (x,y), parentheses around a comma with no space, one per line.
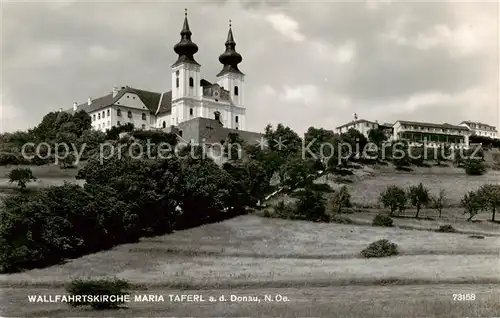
(464,297)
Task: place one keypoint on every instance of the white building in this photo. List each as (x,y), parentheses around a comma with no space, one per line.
(433,135)
(481,129)
(361,125)
(190,96)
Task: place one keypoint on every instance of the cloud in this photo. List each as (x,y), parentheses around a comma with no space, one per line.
(307,64)
(287,26)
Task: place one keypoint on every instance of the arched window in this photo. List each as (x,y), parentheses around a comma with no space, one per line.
(191,82)
(108,112)
(164,124)
(177,82)
(236,90)
(99,116)
(129,114)
(103,114)
(190,112)
(93,117)
(143,116)
(236,119)
(217,116)
(119,112)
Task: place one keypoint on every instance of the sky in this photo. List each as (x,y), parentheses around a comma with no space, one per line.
(313,63)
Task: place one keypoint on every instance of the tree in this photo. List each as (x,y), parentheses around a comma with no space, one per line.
(295,172)
(340,199)
(490,193)
(419,196)
(233,146)
(377,136)
(474,167)
(356,140)
(22,176)
(283,140)
(472,204)
(443,154)
(393,198)
(438,201)
(311,206)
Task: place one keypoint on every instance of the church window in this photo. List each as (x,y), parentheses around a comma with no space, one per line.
(190,112)
(108,112)
(236,90)
(118,112)
(191,82)
(164,124)
(177,73)
(236,119)
(236,128)
(217,116)
(177,82)
(143,116)
(99,116)
(129,114)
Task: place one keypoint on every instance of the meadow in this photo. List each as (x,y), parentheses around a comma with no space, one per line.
(301,260)
(317,266)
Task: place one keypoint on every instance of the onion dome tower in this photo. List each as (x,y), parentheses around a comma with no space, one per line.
(185,48)
(230,58)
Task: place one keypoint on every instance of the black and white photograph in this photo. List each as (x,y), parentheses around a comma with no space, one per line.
(249,158)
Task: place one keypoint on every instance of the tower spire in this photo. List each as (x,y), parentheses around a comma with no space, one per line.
(230,58)
(185,48)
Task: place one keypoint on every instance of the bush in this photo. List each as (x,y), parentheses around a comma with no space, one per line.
(320,187)
(474,167)
(311,206)
(341,219)
(446,229)
(382,220)
(339,199)
(100,287)
(380,248)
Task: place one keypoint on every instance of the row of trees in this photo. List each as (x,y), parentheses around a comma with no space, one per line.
(396,199)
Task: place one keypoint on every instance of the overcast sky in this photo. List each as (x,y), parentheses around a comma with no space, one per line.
(306,63)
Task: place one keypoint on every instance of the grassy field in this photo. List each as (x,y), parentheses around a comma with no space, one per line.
(317,266)
(308,262)
(366,189)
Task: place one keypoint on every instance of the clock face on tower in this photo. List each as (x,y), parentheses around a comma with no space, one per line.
(216,92)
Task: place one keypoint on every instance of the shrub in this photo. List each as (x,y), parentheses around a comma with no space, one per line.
(419,196)
(446,229)
(311,206)
(101,287)
(284,211)
(22,176)
(339,199)
(474,167)
(382,220)
(320,187)
(393,198)
(341,219)
(380,248)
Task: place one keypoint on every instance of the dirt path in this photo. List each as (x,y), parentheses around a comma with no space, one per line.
(348,301)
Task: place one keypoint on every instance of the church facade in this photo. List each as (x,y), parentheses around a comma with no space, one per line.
(191,97)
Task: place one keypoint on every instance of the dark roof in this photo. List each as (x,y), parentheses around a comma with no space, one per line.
(468,122)
(432,125)
(165,103)
(150,99)
(356,122)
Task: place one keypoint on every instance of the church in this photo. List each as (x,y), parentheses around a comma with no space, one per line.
(194,108)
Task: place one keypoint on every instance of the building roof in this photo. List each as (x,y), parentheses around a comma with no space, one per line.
(432,125)
(469,122)
(356,122)
(150,99)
